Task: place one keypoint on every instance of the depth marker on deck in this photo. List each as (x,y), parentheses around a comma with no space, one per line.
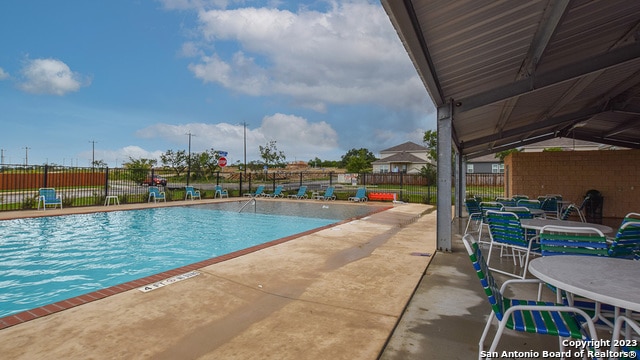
(168,281)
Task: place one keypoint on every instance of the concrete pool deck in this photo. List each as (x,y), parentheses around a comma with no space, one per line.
(333,294)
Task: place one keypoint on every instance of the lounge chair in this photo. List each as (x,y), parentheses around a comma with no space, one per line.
(48,196)
(156,194)
(192,193)
(276,193)
(524,315)
(328,194)
(302,193)
(220,191)
(258,192)
(361,195)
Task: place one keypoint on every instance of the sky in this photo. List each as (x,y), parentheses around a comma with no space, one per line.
(114,80)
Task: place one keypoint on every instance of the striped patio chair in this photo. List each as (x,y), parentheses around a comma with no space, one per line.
(565,240)
(626,243)
(531,204)
(475,213)
(507,233)
(631,348)
(529,316)
(581,241)
(484,207)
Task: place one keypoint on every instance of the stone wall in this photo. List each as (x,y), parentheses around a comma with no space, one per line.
(615,173)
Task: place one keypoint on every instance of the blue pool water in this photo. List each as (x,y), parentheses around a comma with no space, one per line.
(44,260)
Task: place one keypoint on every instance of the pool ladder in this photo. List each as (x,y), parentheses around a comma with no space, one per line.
(252,200)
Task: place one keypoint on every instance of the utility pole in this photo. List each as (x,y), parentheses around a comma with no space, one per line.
(26,155)
(1,156)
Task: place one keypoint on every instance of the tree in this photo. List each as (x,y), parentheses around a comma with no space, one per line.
(431,141)
(358,160)
(99,164)
(175,160)
(503,154)
(139,168)
(270,154)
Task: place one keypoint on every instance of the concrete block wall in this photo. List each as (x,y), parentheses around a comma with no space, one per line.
(615,173)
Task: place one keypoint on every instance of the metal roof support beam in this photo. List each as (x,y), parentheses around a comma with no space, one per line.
(540,81)
(552,122)
(443,216)
(461,183)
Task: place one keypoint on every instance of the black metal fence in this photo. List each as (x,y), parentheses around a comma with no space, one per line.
(20,184)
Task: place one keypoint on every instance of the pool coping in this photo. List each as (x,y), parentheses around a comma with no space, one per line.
(42,311)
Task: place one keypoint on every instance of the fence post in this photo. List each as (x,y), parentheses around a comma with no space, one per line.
(240,187)
(45,175)
(331,178)
(106,181)
(401,186)
(274,182)
(300,179)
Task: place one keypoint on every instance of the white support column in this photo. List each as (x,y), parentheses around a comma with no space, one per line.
(444,218)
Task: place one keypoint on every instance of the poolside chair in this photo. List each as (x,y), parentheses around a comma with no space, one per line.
(328,194)
(361,195)
(48,196)
(192,193)
(550,207)
(156,194)
(507,233)
(258,192)
(565,240)
(566,212)
(506,201)
(531,204)
(484,207)
(627,346)
(580,241)
(531,316)
(626,243)
(220,192)
(475,213)
(276,193)
(302,193)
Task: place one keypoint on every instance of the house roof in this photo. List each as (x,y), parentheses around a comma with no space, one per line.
(408,146)
(402,157)
(512,73)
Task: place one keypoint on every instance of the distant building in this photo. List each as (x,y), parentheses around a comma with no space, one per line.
(407,158)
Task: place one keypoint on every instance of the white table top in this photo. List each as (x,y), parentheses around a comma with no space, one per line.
(539,223)
(608,280)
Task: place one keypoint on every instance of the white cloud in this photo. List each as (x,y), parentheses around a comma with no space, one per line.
(295,136)
(3,74)
(348,55)
(50,76)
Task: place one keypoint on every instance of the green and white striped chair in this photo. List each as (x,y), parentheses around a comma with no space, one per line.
(566,240)
(633,351)
(507,233)
(626,243)
(530,316)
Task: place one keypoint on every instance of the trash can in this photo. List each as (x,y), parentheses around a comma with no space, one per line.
(593,202)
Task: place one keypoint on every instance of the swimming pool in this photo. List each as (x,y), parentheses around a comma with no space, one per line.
(44,260)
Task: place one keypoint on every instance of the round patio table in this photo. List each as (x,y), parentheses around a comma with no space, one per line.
(612,281)
(538,223)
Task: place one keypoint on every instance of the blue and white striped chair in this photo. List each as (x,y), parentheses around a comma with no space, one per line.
(531,316)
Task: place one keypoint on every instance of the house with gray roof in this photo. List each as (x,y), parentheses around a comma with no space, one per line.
(407,158)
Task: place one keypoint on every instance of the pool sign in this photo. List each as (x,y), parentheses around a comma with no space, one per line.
(169,281)
(222,161)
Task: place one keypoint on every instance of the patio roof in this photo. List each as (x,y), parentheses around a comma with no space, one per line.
(513,73)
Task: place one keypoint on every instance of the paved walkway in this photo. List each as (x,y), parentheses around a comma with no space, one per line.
(334,294)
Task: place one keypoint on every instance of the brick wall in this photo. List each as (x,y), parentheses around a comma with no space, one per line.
(615,173)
